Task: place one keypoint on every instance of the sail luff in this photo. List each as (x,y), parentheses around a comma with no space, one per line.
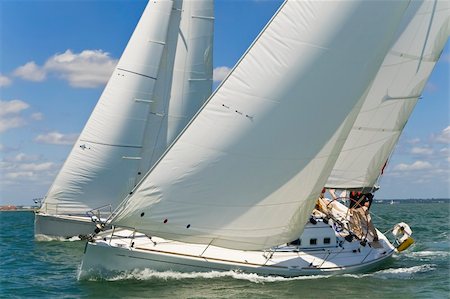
(102,166)
(246,171)
(393,96)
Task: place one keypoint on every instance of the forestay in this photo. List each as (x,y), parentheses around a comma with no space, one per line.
(246,171)
(127,130)
(391,100)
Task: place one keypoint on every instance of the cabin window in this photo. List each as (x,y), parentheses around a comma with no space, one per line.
(326,240)
(313,241)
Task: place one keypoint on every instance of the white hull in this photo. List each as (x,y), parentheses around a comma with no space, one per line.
(112,254)
(61,226)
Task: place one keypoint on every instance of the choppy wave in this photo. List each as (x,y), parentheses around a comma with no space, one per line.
(45,238)
(148,274)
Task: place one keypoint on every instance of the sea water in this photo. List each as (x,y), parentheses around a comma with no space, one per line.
(48,269)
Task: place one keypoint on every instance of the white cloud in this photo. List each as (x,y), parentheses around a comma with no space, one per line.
(444,136)
(37,116)
(12,107)
(445,151)
(414,141)
(220,73)
(57,138)
(8,114)
(31,72)
(6,149)
(22,168)
(21,157)
(4,81)
(431,87)
(88,69)
(418,165)
(34,167)
(426,151)
(11,123)
(18,175)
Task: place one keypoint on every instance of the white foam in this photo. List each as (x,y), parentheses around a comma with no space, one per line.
(148,274)
(45,238)
(428,253)
(410,270)
(396,273)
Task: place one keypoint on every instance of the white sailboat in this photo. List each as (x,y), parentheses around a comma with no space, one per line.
(236,189)
(161,80)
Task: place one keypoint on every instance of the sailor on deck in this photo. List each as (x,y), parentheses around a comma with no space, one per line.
(361,222)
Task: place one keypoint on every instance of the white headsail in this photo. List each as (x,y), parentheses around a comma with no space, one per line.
(246,171)
(128,129)
(395,91)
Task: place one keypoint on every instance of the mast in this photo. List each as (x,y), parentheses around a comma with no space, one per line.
(396,89)
(247,169)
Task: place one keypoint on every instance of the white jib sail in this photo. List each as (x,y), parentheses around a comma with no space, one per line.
(122,136)
(393,95)
(246,171)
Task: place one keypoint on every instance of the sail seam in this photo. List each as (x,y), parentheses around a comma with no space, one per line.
(143,75)
(368,129)
(114,145)
(204,17)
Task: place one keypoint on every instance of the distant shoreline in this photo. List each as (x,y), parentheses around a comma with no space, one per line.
(412,200)
(13,208)
(20,210)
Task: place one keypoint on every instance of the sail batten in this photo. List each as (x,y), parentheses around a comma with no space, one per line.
(395,91)
(245,172)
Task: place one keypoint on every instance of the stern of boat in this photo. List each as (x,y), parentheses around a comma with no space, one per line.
(51,227)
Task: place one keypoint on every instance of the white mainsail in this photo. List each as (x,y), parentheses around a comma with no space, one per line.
(127,130)
(247,169)
(393,95)
(184,79)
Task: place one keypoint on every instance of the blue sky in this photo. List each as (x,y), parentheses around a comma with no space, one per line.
(56,56)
